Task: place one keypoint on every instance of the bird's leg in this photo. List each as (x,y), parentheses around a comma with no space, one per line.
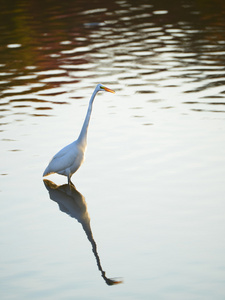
(69,181)
(68,177)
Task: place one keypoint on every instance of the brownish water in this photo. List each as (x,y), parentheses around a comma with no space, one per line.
(149,205)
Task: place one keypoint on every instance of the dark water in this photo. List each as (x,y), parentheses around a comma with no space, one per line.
(148,207)
(150,48)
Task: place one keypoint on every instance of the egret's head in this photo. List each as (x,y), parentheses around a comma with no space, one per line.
(101,87)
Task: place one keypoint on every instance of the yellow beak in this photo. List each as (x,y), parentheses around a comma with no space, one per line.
(108,90)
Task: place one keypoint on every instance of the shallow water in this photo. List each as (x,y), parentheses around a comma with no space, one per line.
(148,208)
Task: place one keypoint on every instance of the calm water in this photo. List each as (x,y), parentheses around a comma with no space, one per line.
(148,208)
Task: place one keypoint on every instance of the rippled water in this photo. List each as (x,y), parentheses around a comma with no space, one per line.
(148,208)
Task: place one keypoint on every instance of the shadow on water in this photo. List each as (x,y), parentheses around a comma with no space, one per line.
(73,203)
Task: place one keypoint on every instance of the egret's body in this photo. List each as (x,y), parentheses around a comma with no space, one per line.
(68,160)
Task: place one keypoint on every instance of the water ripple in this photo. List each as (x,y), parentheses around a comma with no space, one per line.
(141,48)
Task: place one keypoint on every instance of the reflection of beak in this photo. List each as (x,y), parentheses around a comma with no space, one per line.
(112,281)
(116,281)
(108,90)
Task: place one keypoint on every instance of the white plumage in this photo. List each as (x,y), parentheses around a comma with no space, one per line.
(68,160)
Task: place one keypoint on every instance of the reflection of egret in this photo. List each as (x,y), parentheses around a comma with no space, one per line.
(73,203)
(68,160)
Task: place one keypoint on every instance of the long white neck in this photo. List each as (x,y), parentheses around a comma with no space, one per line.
(82,139)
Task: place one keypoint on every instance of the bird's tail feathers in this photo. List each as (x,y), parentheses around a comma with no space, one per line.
(47,172)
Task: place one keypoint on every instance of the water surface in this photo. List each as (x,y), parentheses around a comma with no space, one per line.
(151,190)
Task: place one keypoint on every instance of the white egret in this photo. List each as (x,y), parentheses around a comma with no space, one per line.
(68,160)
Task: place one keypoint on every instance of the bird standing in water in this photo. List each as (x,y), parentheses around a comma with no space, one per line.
(68,160)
